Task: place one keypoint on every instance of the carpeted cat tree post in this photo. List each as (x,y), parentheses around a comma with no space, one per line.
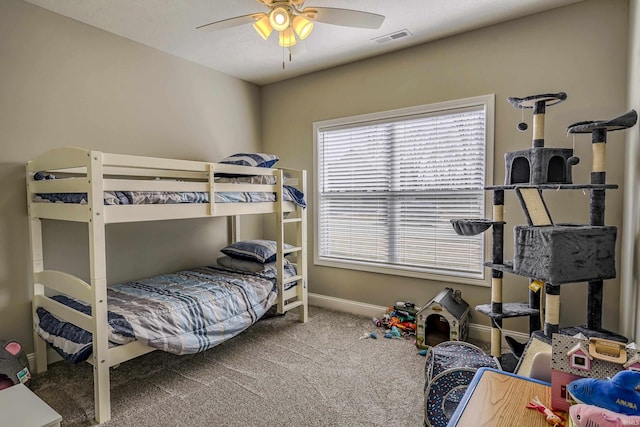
(598,131)
(535,166)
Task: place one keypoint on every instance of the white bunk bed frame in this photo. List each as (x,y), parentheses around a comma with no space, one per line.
(93,173)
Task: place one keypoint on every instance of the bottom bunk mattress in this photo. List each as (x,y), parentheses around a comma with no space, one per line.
(181,313)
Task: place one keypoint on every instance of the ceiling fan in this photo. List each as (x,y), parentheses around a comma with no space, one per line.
(290,19)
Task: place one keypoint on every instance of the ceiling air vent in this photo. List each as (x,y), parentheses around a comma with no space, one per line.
(393,36)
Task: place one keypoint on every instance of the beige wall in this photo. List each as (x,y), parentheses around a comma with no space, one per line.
(579,49)
(64,83)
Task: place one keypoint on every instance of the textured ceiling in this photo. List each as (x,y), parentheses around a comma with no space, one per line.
(169,25)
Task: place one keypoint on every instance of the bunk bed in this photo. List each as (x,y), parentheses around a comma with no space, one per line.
(97,188)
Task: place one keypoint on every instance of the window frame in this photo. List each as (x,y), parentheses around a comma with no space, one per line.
(488,103)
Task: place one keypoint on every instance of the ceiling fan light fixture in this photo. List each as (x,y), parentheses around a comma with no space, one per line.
(287,38)
(279,18)
(302,26)
(263,27)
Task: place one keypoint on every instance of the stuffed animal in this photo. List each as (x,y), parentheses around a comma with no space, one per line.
(14,365)
(619,394)
(582,415)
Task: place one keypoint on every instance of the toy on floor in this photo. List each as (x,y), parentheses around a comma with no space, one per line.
(394,332)
(14,366)
(582,415)
(619,394)
(399,320)
(369,335)
(551,417)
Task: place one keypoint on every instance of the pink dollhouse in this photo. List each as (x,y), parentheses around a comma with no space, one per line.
(577,356)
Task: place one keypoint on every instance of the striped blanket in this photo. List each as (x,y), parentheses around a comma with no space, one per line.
(290,194)
(184,312)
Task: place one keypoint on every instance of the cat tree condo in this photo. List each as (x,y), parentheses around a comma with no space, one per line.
(549,254)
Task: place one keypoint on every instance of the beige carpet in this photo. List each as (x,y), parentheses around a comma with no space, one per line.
(279,372)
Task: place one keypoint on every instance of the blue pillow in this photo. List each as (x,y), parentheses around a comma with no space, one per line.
(259,160)
(262,251)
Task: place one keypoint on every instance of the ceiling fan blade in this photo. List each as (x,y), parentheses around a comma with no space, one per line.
(345,17)
(231,22)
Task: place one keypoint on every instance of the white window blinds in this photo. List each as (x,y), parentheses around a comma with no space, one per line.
(387,190)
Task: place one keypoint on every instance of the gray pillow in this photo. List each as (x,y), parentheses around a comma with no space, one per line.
(245,265)
(262,251)
(268,270)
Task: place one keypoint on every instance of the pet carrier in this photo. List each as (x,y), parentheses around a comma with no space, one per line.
(448,371)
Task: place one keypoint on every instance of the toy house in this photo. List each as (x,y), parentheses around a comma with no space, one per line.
(633,364)
(444,318)
(577,356)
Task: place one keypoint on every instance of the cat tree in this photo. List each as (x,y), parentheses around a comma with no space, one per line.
(549,254)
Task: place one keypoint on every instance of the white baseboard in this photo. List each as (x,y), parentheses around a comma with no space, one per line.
(348,306)
(483,333)
(31,358)
(476,331)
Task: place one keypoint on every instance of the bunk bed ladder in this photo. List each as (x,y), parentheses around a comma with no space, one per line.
(296,297)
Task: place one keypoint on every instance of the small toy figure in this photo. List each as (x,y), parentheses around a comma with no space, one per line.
(552,418)
(369,335)
(582,415)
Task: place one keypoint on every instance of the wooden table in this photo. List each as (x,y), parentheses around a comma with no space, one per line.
(498,399)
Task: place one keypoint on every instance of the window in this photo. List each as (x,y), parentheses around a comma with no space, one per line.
(579,361)
(388,184)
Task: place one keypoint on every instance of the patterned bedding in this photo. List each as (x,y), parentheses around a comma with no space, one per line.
(184,312)
(291,194)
